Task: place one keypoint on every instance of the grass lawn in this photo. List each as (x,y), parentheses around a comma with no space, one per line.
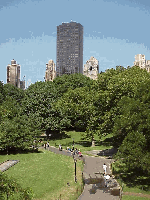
(47,174)
(82,143)
(127,197)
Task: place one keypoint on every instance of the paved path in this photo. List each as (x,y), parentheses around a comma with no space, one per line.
(7,164)
(92,170)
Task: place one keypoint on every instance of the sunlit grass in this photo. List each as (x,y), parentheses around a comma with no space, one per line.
(127,197)
(46,173)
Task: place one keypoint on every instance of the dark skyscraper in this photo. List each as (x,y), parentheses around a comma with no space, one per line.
(69,48)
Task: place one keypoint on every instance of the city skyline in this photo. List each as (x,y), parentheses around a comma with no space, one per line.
(111,32)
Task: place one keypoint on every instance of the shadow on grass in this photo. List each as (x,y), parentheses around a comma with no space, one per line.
(84,143)
(105,142)
(134,179)
(58,136)
(14,152)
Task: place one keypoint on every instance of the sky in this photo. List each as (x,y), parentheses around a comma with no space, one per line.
(114,32)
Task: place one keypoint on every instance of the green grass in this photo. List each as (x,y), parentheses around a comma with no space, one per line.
(46,173)
(127,197)
(82,143)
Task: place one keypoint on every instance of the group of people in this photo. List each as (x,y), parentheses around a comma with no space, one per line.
(74,151)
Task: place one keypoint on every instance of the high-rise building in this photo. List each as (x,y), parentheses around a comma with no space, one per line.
(91,68)
(50,73)
(69,48)
(13,74)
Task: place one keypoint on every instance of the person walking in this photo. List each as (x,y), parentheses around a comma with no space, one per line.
(60,148)
(107,177)
(48,144)
(104,168)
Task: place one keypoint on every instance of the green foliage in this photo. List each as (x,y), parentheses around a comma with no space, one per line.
(2,92)
(132,151)
(76,107)
(111,87)
(17,133)
(64,82)
(13,92)
(44,95)
(11,189)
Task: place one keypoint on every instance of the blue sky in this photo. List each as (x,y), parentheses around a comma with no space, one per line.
(114,32)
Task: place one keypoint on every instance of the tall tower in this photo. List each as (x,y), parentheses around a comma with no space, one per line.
(13,74)
(50,73)
(69,48)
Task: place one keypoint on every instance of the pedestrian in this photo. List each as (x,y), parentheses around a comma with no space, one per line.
(76,151)
(45,145)
(68,149)
(107,177)
(48,144)
(104,168)
(79,153)
(60,148)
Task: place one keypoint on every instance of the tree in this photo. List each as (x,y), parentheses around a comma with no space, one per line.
(76,106)
(111,87)
(13,92)
(132,151)
(40,97)
(17,133)
(2,92)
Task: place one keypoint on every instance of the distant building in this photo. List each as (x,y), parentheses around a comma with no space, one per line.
(13,75)
(69,48)
(142,62)
(22,84)
(147,66)
(50,73)
(91,68)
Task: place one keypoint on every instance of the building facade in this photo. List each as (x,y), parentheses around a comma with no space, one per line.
(91,68)
(13,74)
(50,73)
(142,62)
(69,48)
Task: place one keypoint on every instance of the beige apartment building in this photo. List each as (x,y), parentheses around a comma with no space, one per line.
(91,68)
(50,73)
(142,62)
(13,74)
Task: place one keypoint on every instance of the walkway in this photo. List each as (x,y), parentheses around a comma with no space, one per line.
(93,176)
(7,164)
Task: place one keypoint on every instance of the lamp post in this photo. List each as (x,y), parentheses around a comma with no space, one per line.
(75,161)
